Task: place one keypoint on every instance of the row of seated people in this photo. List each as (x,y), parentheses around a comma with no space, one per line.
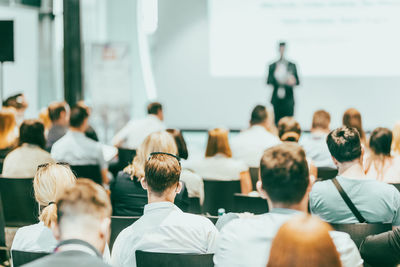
(284,181)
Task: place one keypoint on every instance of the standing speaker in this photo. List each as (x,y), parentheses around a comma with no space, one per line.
(6,40)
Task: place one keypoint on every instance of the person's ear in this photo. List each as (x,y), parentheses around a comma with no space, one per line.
(335,162)
(143,183)
(179,188)
(56,231)
(260,190)
(105,229)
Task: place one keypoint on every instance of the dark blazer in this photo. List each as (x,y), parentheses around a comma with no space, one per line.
(289,89)
(68,259)
(128,198)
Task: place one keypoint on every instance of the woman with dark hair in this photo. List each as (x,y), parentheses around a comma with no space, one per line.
(352,119)
(22,162)
(380,164)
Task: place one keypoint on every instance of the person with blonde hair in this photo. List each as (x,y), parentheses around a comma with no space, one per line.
(218,163)
(128,198)
(352,119)
(396,139)
(304,241)
(8,137)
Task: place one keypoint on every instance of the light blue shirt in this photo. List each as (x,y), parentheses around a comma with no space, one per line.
(77,149)
(247,241)
(377,202)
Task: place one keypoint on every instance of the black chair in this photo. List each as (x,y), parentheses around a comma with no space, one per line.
(397,186)
(4,256)
(23,257)
(92,172)
(194,205)
(125,156)
(19,204)
(119,223)
(254,177)
(155,259)
(245,203)
(326,173)
(359,231)
(219,194)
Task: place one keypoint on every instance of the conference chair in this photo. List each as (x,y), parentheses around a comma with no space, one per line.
(3,247)
(194,205)
(125,156)
(397,186)
(155,259)
(359,231)
(219,194)
(119,223)
(92,172)
(253,204)
(326,173)
(19,204)
(254,173)
(20,258)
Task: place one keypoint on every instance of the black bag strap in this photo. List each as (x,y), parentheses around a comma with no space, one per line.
(348,201)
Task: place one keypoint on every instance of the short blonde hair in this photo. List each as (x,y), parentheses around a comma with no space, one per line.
(7,127)
(218,143)
(49,183)
(155,142)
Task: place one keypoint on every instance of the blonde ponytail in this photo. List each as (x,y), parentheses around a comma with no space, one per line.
(49,215)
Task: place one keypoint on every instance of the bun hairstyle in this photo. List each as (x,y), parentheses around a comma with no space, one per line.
(344,144)
(289,129)
(49,183)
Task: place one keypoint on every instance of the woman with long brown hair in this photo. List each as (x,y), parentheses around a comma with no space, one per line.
(352,119)
(304,241)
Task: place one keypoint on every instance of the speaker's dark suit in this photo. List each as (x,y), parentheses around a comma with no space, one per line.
(282,106)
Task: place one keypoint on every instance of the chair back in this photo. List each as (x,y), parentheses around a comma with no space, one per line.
(92,172)
(125,156)
(19,204)
(2,227)
(219,194)
(359,231)
(397,186)
(23,257)
(254,172)
(119,223)
(245,203)
(326,173)
(194,205)
(155,259)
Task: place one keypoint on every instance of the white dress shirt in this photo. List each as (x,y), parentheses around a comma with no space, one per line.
(39,238)
(164,228)
(317,150)
(77,149)
(135,131)
(249,145)
(23,161)
(247,241)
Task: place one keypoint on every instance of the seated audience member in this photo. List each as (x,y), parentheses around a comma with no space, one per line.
(23,161)
(352,119)
(289,131)
(133,134)
(8,136)
(163,226)
(249,145)
(19,103)
(77,149)
(380,164)
(315,144)
(90,132)
(218,163)
(396,139)
(285,183)
(59,115)
(45,119)
(193,182)
(128,197)
(382,249)
(82,227)
(304,241)
(376,201)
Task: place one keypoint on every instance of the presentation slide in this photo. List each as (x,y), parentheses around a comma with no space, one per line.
(336,38)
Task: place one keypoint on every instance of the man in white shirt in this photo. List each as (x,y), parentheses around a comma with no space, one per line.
(75,148)
(285,183)
(132,135)
(249,145)
(163,226)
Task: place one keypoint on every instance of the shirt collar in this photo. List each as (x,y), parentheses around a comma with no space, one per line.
(158,206)
(258,127)
(285,211)
(77,245)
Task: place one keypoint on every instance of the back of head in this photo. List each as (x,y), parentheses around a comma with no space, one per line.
(154,108)
(55,109)
(218,143)
(49,183)
(81,209)
(155,142)
(162,172)
(344,144)
(17,101)
(284,173)
(380,141)
(321,120)
(259,115)
(32,132)
(289,129)
(304,241)
(7,126)
(352,119)
(180,143)
(78,116)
